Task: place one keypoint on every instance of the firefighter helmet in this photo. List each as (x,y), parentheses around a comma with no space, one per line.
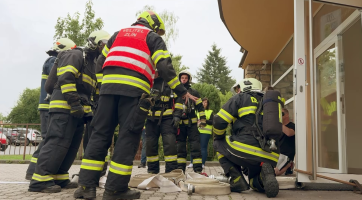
(250,84)
(154,20)
(62,44)
(187,73)
(96,37)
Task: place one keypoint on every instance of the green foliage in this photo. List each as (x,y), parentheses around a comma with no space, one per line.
(26,109)
(176,63)
(170,21)
(2,118)
(224,97)
(209,91)
(76,30)
(215,72)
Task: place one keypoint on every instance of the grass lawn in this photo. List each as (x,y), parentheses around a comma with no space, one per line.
(14,157)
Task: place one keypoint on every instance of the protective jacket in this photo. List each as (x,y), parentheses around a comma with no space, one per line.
(130,58)
(241,109)
(164,101)
(43,104)
(187,112)
(76,81)
(209,118)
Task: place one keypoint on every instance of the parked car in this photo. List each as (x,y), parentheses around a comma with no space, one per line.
(33,136)
(4,142)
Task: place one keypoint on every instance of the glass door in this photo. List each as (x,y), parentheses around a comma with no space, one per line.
(329,118)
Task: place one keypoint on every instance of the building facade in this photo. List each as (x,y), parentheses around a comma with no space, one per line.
(313,55)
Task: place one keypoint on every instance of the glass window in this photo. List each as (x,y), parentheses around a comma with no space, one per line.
(283,62)
(285,86)
(290,108)
(327,109)
(328,18)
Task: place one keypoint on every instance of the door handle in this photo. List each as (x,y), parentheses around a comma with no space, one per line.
(342,102)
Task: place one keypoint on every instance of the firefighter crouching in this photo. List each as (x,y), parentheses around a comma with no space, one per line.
(242,148)
(185,117)
(159,121)
(69,108)
(44,99)
(129,61)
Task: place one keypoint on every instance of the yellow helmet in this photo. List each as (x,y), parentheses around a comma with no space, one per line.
(154,20)
(62,44)
(96,37)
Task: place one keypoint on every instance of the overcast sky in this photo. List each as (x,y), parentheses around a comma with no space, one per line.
(27,30)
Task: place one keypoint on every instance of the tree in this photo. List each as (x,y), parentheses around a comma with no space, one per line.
(170,20)
(26,109)
(209,91)
(214,71)
(224,97)
(176,62)
(72,28)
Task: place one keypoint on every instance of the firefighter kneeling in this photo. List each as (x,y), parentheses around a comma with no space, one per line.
(248,146)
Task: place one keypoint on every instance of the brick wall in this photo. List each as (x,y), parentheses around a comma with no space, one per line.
(253,70)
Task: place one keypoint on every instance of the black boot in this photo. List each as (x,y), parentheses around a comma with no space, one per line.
(85,192)
(70,185)
(28,176)
(50,189)
(270,183)
(114,195)
(237,181)
(142,165)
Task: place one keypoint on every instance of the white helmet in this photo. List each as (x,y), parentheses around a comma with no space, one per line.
(96,37)
(185,72)
(62,44)
(250,84)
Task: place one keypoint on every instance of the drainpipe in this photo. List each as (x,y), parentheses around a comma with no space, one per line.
(311,86)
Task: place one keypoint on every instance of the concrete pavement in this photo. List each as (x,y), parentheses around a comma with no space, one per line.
(14,186)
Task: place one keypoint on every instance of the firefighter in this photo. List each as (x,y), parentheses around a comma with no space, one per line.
(129,61)
(43,107)
(185,117)
(69,109)
(242,148)
(159,121)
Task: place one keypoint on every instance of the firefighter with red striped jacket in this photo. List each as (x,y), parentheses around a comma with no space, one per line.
(129,61)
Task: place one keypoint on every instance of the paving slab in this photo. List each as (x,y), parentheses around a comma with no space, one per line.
(14,186)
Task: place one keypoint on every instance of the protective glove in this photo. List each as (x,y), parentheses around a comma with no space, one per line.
(176,122)
(76,110)
(202,123)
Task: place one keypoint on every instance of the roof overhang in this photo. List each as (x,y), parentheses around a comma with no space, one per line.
(263,27)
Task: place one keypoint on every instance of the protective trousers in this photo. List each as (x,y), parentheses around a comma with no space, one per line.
(86,137)
(168,133)
(44,118)
(193,135)
(60,148)
(228,160)
(111,111)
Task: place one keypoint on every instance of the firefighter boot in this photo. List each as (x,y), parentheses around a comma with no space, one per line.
(128,194)
(50,189)
(85,193)
(237,181)
(270,183)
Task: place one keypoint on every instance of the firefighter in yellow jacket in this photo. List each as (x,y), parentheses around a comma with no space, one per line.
(242,148)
